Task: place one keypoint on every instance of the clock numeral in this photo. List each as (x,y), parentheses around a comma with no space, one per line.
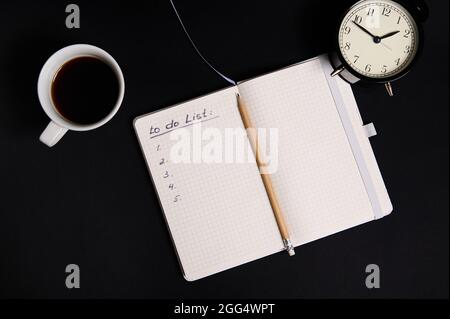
(371,12)
(368,68)
(407,34)
(387,12)
(399,20)
(358,19)
(356,58)
(384,69)
(397,62)
(348,46)
(347,30)
(407,49)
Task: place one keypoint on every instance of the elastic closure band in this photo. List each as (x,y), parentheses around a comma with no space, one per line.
(352,138)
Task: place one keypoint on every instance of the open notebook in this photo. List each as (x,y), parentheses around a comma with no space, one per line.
(328,180)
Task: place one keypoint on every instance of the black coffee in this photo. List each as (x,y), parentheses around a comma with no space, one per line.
(85,90)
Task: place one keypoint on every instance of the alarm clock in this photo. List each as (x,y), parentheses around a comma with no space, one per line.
(379,41)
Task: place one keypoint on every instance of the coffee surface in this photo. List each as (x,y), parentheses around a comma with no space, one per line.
(85,90)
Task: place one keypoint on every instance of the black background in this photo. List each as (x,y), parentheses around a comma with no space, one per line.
(89,201)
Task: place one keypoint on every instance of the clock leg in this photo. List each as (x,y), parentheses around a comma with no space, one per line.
(338,71)
(389,89)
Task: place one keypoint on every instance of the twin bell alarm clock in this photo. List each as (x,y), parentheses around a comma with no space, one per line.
(379,41)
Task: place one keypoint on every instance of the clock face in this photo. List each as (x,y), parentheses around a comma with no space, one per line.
(378,39)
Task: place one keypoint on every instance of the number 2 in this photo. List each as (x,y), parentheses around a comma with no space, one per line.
(407,33)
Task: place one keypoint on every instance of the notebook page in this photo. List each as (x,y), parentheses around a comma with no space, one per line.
(218,214)
(318,182)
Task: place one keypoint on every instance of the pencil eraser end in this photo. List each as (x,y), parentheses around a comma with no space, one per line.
(291,252)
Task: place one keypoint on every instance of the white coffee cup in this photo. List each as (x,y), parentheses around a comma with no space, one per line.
(59,125)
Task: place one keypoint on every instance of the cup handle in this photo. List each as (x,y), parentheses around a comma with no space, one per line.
(53,134)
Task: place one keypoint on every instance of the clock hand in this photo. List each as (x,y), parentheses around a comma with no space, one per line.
(390,34)
(375,38)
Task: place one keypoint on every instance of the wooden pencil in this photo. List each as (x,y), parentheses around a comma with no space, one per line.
(253,137)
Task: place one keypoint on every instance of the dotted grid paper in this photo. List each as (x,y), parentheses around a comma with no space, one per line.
(318,183)
(219,215)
